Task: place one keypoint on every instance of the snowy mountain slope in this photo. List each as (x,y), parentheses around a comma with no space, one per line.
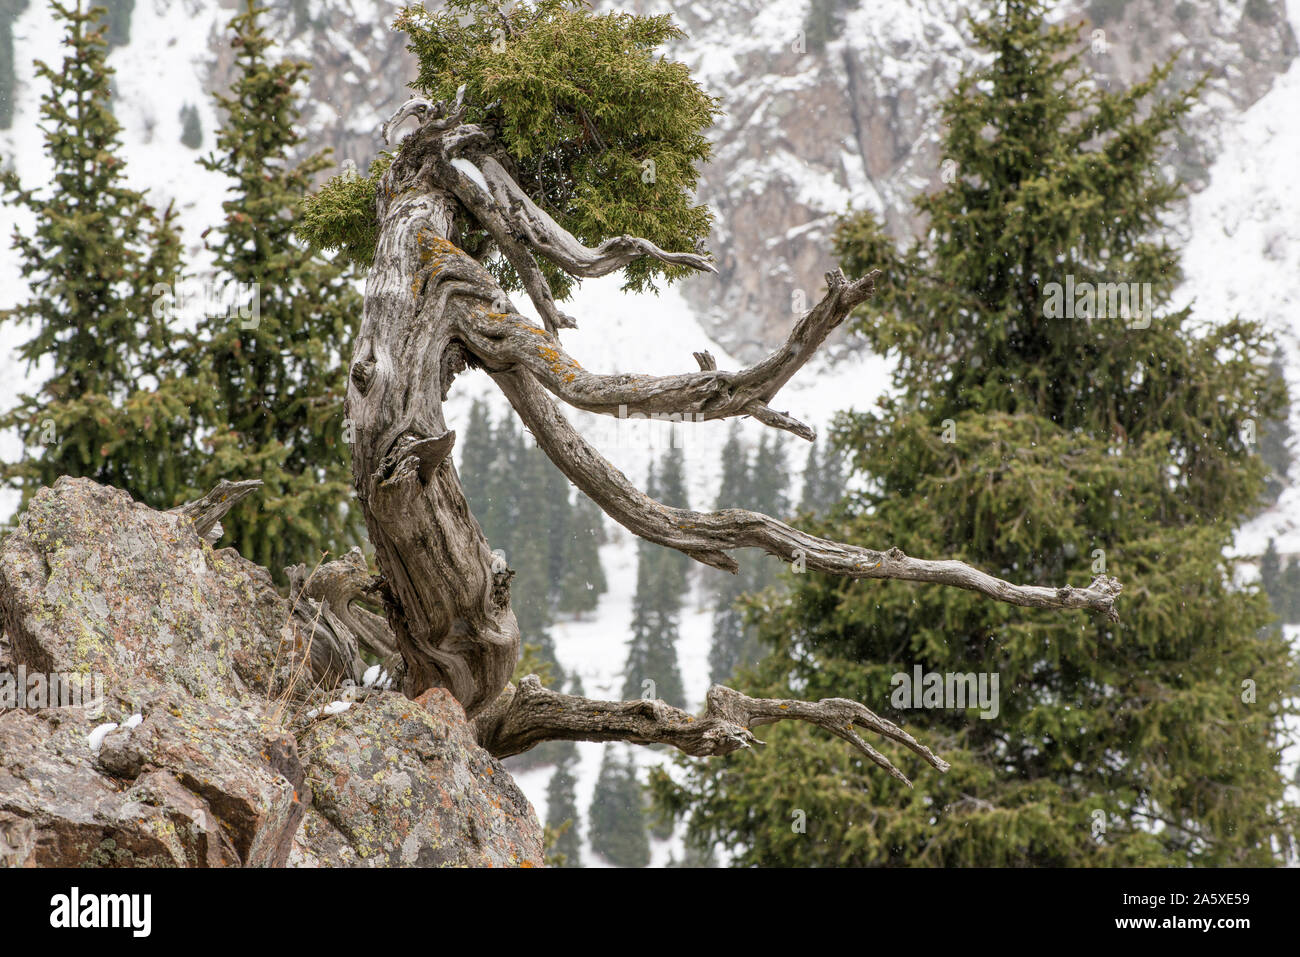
(1242,256)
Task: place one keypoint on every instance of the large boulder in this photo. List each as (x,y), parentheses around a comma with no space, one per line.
(196,659)
(400,782)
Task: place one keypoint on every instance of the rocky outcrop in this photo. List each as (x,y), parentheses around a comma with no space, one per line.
(218,757)
(400,782)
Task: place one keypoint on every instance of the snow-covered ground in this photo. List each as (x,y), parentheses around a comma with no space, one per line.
(1242,257)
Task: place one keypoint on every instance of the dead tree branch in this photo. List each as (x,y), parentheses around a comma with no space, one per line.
(208,511)
(526,715)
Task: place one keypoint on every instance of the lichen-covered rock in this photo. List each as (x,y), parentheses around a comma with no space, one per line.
(400,782)
(161,794)
(211,773)
(94,582)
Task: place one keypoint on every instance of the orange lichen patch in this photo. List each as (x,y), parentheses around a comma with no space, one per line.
(498,316)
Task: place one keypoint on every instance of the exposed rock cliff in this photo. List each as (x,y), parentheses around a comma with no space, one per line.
(226,764)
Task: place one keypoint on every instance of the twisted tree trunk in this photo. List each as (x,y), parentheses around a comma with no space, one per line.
(431,310)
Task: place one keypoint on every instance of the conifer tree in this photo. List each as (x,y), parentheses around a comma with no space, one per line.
(823,478)
(117,16)
(769,477)
(583,581)
(115,408)
(676,567)
(1270,576)
(656,612)
(617,819)
(730,634)
(483,458)
(1290,588)
(1275,441)
(764,482)
(191,127)
(1049,448)
(562,810)
(527,543)
(9,12)
(278,354)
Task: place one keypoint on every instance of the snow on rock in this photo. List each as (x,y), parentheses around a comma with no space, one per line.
(96,737)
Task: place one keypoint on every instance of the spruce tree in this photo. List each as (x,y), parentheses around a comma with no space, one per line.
(9,12)
(823,478)
(1270,576)
(583,581)
(1289,610)
(117,15)
(731,644)
(483,459)
(527,543)
(278,353)
(562,814)
(191,127)
(1275,441)
(676,567)
(98,264)
(1049,449)
(761,484)
(656,611)
(617,820)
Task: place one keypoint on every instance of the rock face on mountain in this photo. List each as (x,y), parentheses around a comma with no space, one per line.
(216,758)
(827,103)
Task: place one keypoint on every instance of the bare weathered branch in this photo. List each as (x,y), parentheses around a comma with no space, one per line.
(708,536)
(207,512)
(528,714)
(501,340)
(338,585)
(522,230)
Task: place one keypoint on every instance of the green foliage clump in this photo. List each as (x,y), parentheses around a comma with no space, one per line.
(602,132)
(341,215)
(1043,450)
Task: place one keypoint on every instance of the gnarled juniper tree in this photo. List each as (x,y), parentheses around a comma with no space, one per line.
(550,145)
